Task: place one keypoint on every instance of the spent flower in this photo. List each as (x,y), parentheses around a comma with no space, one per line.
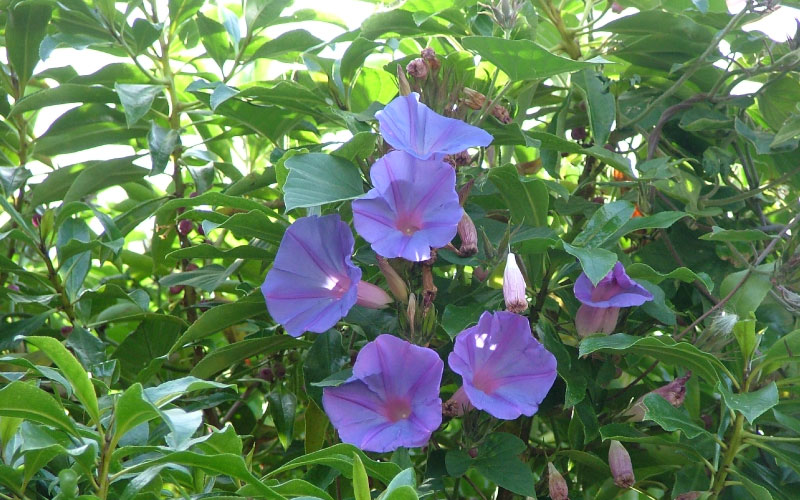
(514,286)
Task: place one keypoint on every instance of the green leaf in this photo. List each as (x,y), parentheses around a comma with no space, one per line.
(527,199)
(72,370)
(220,317)
(750,404)
(521,59)
(26,25)
(223,463)
(340,457)
(63,94)
(360,480)
(282,408)
(172,390)
(206,251)
(224,357)
(662,348)
(100,176)
(605,223)
(498,460)
(317,178)
(162,143)
(719,234)
(402,493)
(26,401)
(750,295)
(294,41)
(599,103)
(596,262)
(756,490)
(457,318)
(670,418)
(638,270)
(354,57)
(132,409)
(145,34)
(316,424)
(660,220)
(784,350)
(457,462)
(136,99)
(262,13)
(325,357)
(215,39)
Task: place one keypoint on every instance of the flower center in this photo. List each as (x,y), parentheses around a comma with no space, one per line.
(338,286)
(397,409)
(484,381)
(408,225)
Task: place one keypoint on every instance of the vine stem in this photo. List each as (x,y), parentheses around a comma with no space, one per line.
(740,284)
(698,63)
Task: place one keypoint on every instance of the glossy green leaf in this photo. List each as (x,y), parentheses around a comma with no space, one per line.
(26,26)
(750,404)
(360,480)
(28,402)
(136,99)
(527,199)
(162,143)
(220,317)
(595,262)
(282,407)
(315,179)
(600,102)
(605,222)
(670,418)
(521,59)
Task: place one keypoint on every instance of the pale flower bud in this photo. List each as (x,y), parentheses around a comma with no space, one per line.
(396,284)
(403,87)
(417,68)
(514,286)
(469,236)
(372,296)
(620,463)
(556,483)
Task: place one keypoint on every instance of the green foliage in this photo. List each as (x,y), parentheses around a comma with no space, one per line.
(142,203)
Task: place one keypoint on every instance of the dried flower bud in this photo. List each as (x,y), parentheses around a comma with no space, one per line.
(65,331)
(514,286)
(36,220)
(480,274)
(403,87)
(372,296)
(674,393)
(429,56)
(458,159)
(185,227)
(396,284)
(501,113)
(620,463)
(616,8)
(176,289)
(469,236)
(417,68)
(280,370)
(457,405)
(556,483)
(474,98)
(266,374)
(689,495)
(578,133)
(473,452)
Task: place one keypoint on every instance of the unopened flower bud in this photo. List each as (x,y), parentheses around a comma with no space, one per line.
(505,12)
(372,296)
(417,68)
(590,320)
(185,226)
(191,266)
(674,393)
(396,284)
(616,8)
(689,495)
(65,331)
(36,220)
(403,87)
(266,374)
(620,463)
(514,286)
(469,236)
(556,483)
(463,191)
(473,452)
(411,312)
(176,289)
(578,133)
(13,287)
(480,274)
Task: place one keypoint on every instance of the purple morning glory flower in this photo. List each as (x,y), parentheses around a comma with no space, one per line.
(600,304)
(506,371)
(410,126)
(312,283)
(392,399)
(413,207)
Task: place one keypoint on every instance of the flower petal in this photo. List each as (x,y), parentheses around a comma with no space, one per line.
(410,126)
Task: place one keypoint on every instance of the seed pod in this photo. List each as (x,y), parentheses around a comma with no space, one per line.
(417,68)
(556,483)
(620,463)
